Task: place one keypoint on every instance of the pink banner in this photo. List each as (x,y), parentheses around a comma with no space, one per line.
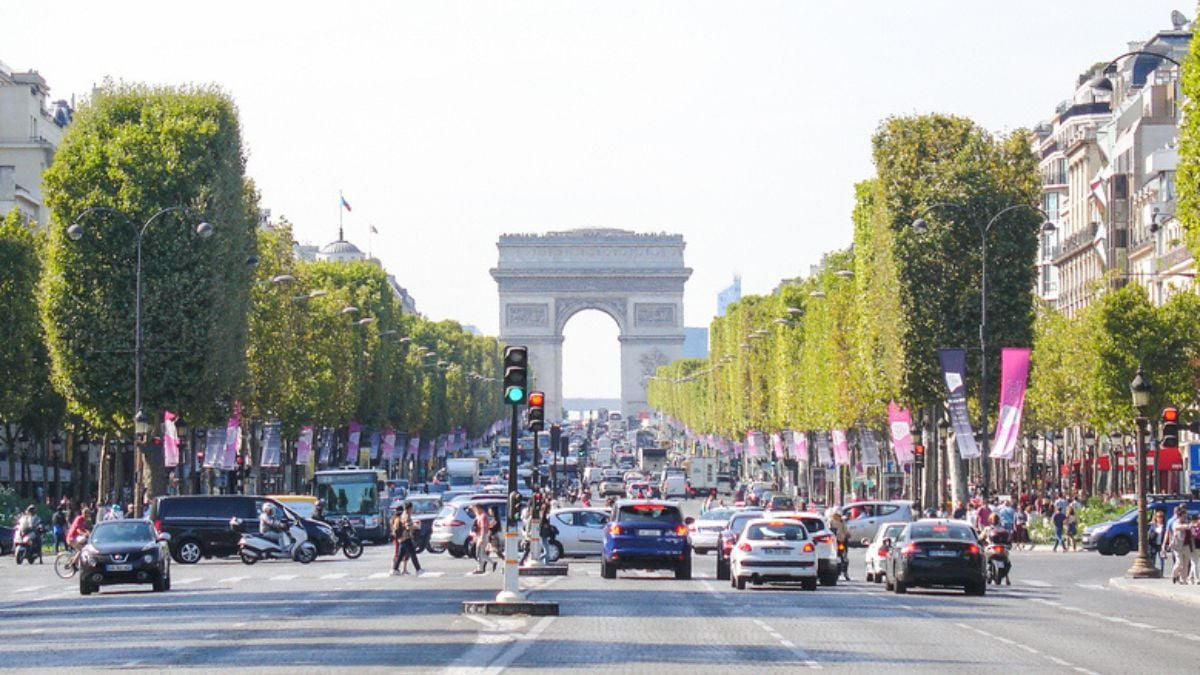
(841,448)
(800,446)
(233,442)
(777,445)
(352,443)
(170,440)
(304,446)
(389,444)
(414,446)
(1014,375)
(900,421)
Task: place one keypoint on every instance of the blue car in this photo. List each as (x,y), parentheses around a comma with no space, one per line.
(1119,536)
(646,534)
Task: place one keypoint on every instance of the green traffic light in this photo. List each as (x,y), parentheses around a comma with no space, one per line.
(514,394)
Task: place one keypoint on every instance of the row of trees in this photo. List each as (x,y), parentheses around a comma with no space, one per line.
(831,350)
(231,317)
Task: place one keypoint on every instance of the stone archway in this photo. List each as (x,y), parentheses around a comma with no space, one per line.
(637,279)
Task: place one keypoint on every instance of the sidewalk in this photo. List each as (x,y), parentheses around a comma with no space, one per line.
(1161,588)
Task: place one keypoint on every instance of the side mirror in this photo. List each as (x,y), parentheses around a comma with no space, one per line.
(164,536)
(689,520)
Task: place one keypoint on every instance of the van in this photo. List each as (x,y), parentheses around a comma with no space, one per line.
(674,485)
(199,525)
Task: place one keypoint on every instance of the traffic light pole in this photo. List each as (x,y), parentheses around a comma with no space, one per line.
(511,591)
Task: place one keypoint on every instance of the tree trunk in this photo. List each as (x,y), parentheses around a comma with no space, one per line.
(10,442)
(154,473)
(958,487)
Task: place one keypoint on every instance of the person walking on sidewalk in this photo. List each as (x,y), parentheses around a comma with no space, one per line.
(1194,577)
(1059,519)
(1072,529)
(1179,543)
(1156,537)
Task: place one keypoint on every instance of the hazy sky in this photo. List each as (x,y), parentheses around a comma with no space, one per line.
(741,125)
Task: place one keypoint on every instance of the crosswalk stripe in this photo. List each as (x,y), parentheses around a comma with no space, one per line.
(28,589)
(283,577)
(231,580)
(379,575)
(339,575)
(188,581)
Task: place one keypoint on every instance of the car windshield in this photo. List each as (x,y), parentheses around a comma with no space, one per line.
(738,523)
(776,531)
(650,513)
(891,531)
(940,531)
(813,524)
(717,514)
(448,511)
(422,507)
(123,532)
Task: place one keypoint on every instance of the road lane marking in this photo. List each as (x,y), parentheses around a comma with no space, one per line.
(802,655)
(1038,584)
(380,575)
(1092,587)
(283,577)
(336,575)
(188,581)
(28,589)
(231,580)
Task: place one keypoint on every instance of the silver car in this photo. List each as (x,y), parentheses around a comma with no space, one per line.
(864,518)
(580,532)
(452,527)
(705,533)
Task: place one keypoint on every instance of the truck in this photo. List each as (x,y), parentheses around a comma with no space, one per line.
(652,460)
(702,473)
(462,472)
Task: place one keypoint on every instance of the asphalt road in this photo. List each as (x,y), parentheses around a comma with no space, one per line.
(1058,616)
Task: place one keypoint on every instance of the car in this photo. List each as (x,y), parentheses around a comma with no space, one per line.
(452,527)
(611,483)
(780,503)
(647,534)
(1119,536)
(199,525)
(638,489)
(823,539)
(729,535)
(705,533)
(774,550)
(936,553)
(125,552)
(674,485)
(877,550)
(6,540)
(580,532)
(863,518)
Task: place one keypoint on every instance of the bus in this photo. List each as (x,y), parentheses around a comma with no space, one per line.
(358,494)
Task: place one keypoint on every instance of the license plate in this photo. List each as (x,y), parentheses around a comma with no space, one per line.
(648,533)
(999,564)
(944,554)
(777,551)
(119,568)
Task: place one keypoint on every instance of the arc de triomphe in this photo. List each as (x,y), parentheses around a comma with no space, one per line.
(637,279)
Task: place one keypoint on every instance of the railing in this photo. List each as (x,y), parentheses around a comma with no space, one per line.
(1076,242)
(1054,178)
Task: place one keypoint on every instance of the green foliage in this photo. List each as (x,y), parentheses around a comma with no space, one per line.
(1060,365)
(22,363)
(1188,177)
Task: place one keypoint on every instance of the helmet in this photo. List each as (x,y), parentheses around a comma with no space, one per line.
(31,509)
(268,509)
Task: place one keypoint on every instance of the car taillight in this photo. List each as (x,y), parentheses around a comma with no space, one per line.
(911,549)
(614,529)
(158,526)
(998,549)
(841,547)
(972,550)
(823,538)
(681,530)
(809,548)
(745,547)
(457,523)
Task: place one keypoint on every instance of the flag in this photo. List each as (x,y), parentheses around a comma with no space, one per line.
(389,445)
(272,444)
(304,445)
(345,204)
(954,365)
(1014,375)
(373,230)
(233,442)
(1100,241)
(352,439)
(900,420)
(170,440)
(800,446)
(841,447)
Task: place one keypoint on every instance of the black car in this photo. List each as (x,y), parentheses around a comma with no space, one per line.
(199,525)
(124,552)
(937,553)
(729,536)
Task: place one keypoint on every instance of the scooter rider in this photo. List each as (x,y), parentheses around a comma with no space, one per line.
(271,528)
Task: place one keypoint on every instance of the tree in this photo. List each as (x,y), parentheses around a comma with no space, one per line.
(1188,177)
(22,362)
(139,149)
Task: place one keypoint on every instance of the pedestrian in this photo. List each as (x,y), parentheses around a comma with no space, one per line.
(1059,519)
(59,522)
(481,530)
(549,536)
(398,532)
(1156,536)
(1194,577)
(408,549)
(1179,542)
(1072,528)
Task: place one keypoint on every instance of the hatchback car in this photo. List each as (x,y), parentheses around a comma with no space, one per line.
(580,532)
(611,483)
(1119,536)
(646,534)
(452,527)
(729,536)
(877,550)
(823,539)
(936,553)
(705,533)
(125,552)
(774,550)
(863,518)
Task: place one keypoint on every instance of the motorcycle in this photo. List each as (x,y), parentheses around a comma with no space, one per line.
(998,564)
(28,546)
(843,561)
(347,538)
(253,546)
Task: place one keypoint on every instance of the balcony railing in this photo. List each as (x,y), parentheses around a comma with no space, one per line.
(1054,178)
(1076,242)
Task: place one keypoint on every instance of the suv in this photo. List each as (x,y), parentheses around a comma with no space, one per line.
(1119,536)
(452,528)
(199,525)
(823,539)
(646,534)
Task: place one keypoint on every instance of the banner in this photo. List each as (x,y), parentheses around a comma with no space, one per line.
(900,422)
(841,448)
(414,446)
(375,443)
(170,440)
(868,446)
(214,449)
(352,439)
(325,447)
(954,365)
(304,446)
(777,445)
(1014,375)
(233,442)
(426,450)
(272,444)
(754,443)
(800,446)
(389,445)
(823,455)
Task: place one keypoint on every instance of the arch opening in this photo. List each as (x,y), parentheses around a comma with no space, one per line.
(591,360)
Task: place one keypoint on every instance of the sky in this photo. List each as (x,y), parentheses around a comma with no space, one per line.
(742,126)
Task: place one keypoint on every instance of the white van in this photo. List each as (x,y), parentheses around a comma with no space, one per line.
(674,485)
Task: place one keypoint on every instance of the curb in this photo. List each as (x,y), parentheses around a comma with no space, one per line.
(1158,588)
(526,608)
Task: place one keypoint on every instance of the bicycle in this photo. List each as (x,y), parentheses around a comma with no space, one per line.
(66,564)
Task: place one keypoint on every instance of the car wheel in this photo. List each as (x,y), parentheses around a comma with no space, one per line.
(887,583)
(85,588)
(740,583)
(159,585)
(829,579)
(554,552)
(976,589)
(456,551)
(870,577)
(722,570)
(167,581)
(809,584)
(879,576)
(432,548)
(684,570)
(607,571)
(189,552)
(1121,546)
(900,587)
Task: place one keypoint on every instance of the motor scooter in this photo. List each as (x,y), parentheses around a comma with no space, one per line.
(27,547)
(253,546)
(998,564)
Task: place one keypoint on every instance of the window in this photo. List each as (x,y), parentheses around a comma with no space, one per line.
(592,519)
(650,513)
(885,509)
(567,518)
(777,531)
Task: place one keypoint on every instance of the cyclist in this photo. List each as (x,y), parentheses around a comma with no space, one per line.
(80,530)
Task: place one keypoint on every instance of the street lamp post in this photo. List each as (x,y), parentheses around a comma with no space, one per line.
(920,226)
(1142,567)
(75,232)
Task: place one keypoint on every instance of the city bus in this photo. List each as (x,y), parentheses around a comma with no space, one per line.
(359,494)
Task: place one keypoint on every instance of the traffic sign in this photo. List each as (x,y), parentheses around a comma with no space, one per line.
(1194,457)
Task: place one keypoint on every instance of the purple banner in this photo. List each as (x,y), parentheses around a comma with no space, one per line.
(233,442)
(841,447)
(170,440)
(304,446)
(389,445)
(352,439)
(272,444)
(214,449)
(800,446)
(954,366)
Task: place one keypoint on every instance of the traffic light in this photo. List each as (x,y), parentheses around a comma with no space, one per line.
(1170,428)
(537,411)
(555,435)
(919,456)
(516,374)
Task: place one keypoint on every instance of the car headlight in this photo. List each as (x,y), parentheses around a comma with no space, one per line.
(148,558)
(1098,529)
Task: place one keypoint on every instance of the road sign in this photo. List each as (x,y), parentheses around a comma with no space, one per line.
(1194,457)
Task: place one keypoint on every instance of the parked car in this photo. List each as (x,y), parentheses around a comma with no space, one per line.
(936,552)
(704,534)
(1119,536)
(199,525)
(646,534)
(580,532)
(863,518)
(125,552)
(878,548)
(774,550)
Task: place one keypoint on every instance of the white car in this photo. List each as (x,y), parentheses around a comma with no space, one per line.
(580,531)
(864,518)
(773,550)
(612,484)
(638,489)
(877,552)
(823,539)
(705,533)
(452,527)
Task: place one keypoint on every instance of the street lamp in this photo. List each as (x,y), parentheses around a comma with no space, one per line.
(75,232)
(1102,82)
(921,226)
(1140,388)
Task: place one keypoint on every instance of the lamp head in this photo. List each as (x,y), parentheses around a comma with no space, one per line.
(920,226)
(75,232)
(204,230)
(1140,388)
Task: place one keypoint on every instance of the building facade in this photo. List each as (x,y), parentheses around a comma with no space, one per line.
(31,129)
